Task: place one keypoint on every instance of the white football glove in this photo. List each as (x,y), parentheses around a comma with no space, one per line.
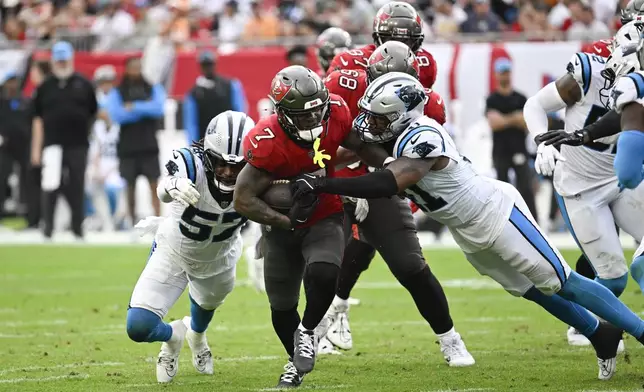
(182,190)
(547,157)
(362,209)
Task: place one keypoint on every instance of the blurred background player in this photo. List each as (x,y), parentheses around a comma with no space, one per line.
(395,21)
(330,43)
(137,107)
(387,223)
(105,185)
(197,246)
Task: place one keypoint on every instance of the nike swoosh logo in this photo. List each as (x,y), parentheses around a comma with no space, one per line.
(344,62)
(414,139)
(175,155)
(440,101)
(598,50)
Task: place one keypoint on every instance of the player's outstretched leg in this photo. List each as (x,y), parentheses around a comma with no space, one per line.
(637,267)
(145,326)
(197,324)
(604,337)
(356,259)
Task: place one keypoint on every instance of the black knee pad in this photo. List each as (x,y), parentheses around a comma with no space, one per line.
(360,254)
(321,273)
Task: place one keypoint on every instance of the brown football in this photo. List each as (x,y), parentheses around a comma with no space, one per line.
(278,196)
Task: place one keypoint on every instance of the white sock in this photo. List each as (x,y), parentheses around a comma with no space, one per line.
(302,328)
(447,334)
(340,305)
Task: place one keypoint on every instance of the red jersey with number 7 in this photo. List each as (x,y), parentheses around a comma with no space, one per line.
(357,59)
(268,148)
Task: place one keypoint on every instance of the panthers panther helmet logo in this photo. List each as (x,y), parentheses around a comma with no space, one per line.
(411,96)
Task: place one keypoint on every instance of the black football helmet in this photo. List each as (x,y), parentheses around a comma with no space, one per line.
(301,103)
(398,21)
(392,56)
(332,41)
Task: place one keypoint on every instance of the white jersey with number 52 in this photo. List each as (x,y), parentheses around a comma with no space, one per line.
(473,207)
(205,238)
(589,166)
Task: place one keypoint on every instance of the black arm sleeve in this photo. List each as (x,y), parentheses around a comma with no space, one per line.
(608,125)
(369,186)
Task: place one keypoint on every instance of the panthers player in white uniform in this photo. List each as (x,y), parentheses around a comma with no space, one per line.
(587,190)
(197,245)
(488,218)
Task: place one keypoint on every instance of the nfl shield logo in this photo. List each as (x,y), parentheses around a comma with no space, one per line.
(224,204)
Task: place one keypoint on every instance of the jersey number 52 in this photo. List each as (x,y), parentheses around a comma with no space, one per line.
(197,231)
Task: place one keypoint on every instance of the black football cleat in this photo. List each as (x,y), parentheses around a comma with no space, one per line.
(306,346)
(291,378)
(605,341)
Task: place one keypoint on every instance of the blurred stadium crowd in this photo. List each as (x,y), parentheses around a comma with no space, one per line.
(113,23)
(161,30)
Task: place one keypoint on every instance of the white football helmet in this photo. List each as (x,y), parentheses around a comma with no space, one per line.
(390,104)
(223,156)
(626,56)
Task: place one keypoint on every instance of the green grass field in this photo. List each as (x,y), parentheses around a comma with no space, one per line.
(62,316)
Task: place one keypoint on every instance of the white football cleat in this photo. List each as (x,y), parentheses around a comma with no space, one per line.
(326,347)
(454,350)
(340,333)
(606,368)
(201,354)
(577,339)
(168,362)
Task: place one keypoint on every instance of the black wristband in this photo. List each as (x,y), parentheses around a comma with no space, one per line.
(369,186)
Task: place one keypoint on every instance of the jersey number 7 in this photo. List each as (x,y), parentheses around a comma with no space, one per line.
(269,135)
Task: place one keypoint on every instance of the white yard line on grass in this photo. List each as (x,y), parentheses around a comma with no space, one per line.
(43,323)
(65,366)
(44,379)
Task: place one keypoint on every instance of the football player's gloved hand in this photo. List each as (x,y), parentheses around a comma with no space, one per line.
(547,157)
(302,209)
(182,190)
(559,137)
(362,209)
(305,184)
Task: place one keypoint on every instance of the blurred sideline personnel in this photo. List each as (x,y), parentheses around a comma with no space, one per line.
(211,95)
(395,21)
(297,55)
(137,106)
(306,245)
(487,218)
(387,223)
(39,72)
(15,131)
(105,184)
(196,246)
(504,112)
(64,110)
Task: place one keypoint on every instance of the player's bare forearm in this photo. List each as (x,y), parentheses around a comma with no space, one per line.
(408,171)
(250,184)
(343,158)
(632,117)
(370,153)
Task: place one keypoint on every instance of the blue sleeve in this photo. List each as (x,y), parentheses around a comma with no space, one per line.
(190,118)
(239,102)
(629,158)
(116,110)
(154,107)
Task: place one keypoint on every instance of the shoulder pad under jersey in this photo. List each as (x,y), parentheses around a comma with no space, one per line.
(182,164)
(422,142)
(627,89)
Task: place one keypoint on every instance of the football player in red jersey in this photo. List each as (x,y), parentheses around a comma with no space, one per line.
(329,43)
(395,21)
(633,10)
(307,244)
(387,222)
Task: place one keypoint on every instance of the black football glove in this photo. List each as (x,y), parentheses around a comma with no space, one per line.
(302,209)
(559,137)
(305,184)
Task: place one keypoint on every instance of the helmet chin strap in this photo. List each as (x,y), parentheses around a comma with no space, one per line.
(310,135)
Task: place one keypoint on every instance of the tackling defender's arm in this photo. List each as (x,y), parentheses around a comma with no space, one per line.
(399,175)
(628,99)
(607,125)
(251,183)
(179,182)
